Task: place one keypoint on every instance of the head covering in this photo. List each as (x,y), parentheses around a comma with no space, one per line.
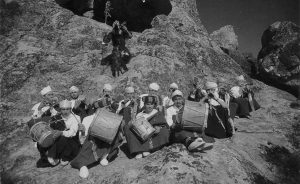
(65,104)
(235,91)
(149,99)
(174,85)
(240,78)
(129,90)
(177,93)
(74,89)
(46,90)
(154,86)
(210,85)
(107,87)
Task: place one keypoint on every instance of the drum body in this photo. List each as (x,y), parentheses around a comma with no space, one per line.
(105,125)
(142,128)
(42,133)
(193,116)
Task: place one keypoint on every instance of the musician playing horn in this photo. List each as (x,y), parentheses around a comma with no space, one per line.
(105,99)
(156,119)
(66,145)
(129,99)
(174,119)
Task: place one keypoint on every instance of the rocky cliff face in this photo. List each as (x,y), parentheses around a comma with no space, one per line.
(43,44)
(279,58)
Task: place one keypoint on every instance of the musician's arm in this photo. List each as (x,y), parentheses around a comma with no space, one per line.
(72,130)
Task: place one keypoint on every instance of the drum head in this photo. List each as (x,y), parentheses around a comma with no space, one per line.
(47,140)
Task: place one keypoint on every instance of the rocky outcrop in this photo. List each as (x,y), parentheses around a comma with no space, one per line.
(279,58)
(137,13)
(226,38)
(43,44)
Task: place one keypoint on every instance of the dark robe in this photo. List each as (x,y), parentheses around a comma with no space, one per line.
(65,148)
(217,122)
(198,95)
(155,142)
(93,149)
(82,110)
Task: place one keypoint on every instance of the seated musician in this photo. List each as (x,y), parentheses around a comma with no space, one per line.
(218,122)
(196,93)
(153,91)
(44,111)
(178,135)
(40,109)
(66,145)
(79,105)
(105,100)
(167,101)
(129,97)
(94,149)
(244,98)
(156,118)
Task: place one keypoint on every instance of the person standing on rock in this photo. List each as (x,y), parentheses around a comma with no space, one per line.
(79,105)
(66,145)
(155,118)
(218,122)
(177,135)
(120,55)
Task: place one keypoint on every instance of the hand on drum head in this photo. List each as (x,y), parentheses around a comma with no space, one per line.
(56,134)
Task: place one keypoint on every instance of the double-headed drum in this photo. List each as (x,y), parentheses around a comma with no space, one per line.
(142,128)
(193,116)
(42,133)
(105,125)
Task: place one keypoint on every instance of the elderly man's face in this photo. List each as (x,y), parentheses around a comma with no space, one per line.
(149,107)
(178,101)
(107,93)
(212,90)
(130,96)
(49,97)
(65,111)
(153,92)
(74,94)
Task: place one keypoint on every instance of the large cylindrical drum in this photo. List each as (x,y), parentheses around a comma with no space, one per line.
(193,116)
(105,125)
(142,129)
(42,133)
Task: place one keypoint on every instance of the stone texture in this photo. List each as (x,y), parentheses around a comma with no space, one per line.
(226,38)
(43,44)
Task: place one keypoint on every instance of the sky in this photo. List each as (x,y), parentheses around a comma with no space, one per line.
(248,17)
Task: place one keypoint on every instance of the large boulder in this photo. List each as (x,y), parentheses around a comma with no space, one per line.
(279,57)
(226,38)
(43,44)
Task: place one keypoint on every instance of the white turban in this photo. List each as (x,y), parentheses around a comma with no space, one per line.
(174,85)
(154,86)
(235,91)
(129,90)
(240,78)
(65,104)
(107,87)
(74,89)
(210,85)
(177,93)
(46,90)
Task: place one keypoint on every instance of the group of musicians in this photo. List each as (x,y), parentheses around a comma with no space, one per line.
(71,119)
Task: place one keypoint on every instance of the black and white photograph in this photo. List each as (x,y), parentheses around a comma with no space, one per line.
(149,91)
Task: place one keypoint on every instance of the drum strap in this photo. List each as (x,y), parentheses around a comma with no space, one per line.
(219,119)
(94,148)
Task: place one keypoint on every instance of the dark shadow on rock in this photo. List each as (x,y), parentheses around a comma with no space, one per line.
(287,163)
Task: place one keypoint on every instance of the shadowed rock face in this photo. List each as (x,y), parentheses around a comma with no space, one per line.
(43,44)
(137,14)
(279,58)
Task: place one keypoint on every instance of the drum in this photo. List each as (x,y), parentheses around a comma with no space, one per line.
(42,133)
(142,129)
(193,116)
(105,125)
